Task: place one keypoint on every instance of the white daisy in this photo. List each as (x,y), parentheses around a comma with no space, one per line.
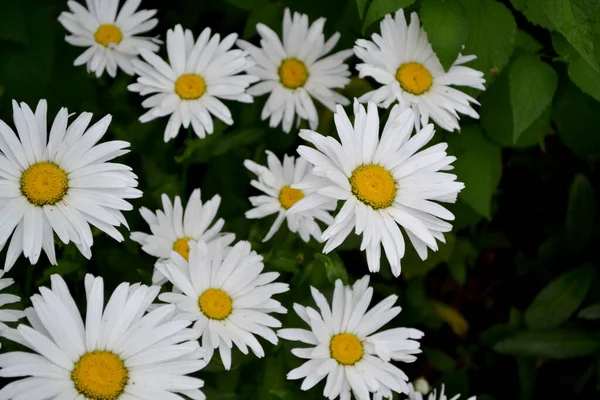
(225,293)
(119,352)
(7,315)
(111,39)
(402,60)
(297,68)
(346,350)
(417,395)
(190,86)
(59,182)
(384,182)
(276,182)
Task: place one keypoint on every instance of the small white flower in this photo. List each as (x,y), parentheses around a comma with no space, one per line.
(173,228)
(346,350)
(414,394)
(385,183)
(296,68)
(111,39)
(59,182)
(189,87)
(225,293)
(276,182)
(117,352)
(402,60)
(7,315)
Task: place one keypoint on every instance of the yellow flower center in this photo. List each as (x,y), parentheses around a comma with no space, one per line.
(100,375)
(44,183)
(293,73)
(289,196)
(182,246)
(346,348)
(107,34)
(215,304)
(190,86)
(414,78)
(373,185)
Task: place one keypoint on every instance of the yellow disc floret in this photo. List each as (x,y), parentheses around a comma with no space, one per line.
(215,304)
(346,348)
(293,73)
(373,185)
(100,375)
(107,34)
(190,86)
(44,183)
(414,78)
(182,247)
(289,196)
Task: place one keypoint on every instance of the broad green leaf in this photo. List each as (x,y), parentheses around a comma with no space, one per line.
(447,26)
(560,299)
(554,344)
(562,46)
(581,213)
(586,77)
(361,5)
(532,84)
(334,267)
(491,36)
(525,41)
(270,14)
(526,369)
(534,11)
(412,265)
(379,8)
(590,312)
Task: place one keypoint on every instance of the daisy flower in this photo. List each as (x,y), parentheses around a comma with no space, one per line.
(110,37)
(6,298)
(225,293)
(402,60)
(297,68)
(59,182)
(345,348)
(173,228)
(276,182)
(385,183)
(189,87)
(116,352)
(417,395)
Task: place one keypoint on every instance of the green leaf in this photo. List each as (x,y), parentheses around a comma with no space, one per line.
(439,360)
(581,213)
(534,11)
(585,77)
(590,312)
(218,144)
(560,299)
(555,344)
(379,8)
(447,26)
(525,41)
(564,49)
(491,36)
(532,84)
(526,368)
(361,5)
(334,267)
(269,14)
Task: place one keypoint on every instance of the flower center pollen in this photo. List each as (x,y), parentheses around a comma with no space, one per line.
(100,375)
(293,73)
(190,86)
(414,78)
(44,183)
(373,185)
(107,34)
(346,348)
(215,304)
(182,246)
(289,196)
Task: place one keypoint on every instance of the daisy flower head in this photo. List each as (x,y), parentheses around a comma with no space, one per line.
(174,228)
(192,84)
(402,60)
(59,182)
(110,35)
(276,182)
(385,183)
(414,394)
(7,315)
(345,348)
(120,351)
(225,292)
(297,68)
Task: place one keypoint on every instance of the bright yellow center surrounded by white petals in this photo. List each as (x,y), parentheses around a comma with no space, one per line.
(215,304)
(190,86)
(107,34)
(414,78)
(100,375)
(293,73)
(346,348)
(44,183)
(182,247)
(289,196)
(373,185)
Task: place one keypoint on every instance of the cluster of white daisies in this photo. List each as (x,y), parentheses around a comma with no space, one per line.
(212,291)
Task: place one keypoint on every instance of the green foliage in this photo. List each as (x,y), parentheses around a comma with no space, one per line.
(379,8)
(552,344)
